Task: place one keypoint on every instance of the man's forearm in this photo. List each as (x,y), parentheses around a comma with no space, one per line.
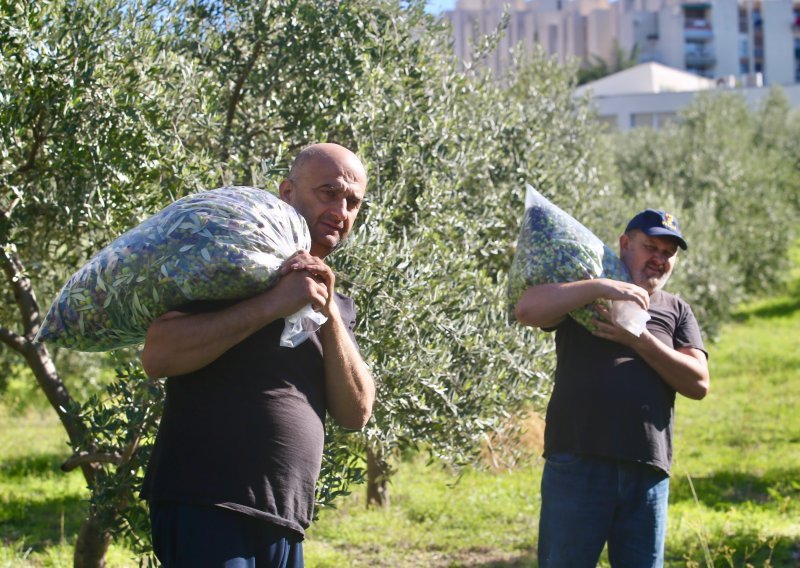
(685,370)
(179,343)
(545,305)
(349,387)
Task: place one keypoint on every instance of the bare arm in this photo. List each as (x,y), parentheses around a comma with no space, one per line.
(179,343)
(685,369)
(349,386)
(546,305)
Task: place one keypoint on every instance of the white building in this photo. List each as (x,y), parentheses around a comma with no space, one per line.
(651,94)
(738,39)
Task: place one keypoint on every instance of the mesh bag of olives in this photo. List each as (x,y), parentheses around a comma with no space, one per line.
(554,247)
(226,243)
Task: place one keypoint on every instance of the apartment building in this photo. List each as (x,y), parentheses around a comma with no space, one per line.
(746,42)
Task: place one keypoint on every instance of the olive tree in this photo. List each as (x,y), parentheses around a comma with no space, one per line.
(85,150)
(266,79)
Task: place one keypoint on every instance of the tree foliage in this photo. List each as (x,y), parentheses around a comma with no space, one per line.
(730,174)
(86,149)
(595,67)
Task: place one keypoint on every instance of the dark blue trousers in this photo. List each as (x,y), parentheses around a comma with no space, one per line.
(200,536)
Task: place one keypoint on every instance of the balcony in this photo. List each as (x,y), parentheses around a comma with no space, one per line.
(700,58)
(697,29)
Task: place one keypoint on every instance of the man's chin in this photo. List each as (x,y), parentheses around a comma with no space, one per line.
(649,284)
(326,245)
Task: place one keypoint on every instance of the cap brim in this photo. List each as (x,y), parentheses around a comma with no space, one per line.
(660,232)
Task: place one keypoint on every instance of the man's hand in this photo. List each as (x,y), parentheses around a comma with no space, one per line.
(607,329)
(618,290)
(319,280)
(179,343)
(349,387)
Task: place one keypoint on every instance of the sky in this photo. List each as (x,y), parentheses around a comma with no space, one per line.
(438,6)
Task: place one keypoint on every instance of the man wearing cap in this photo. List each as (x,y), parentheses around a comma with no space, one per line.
(608,434)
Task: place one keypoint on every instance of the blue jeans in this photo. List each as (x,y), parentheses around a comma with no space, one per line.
(200,536)
(587,502)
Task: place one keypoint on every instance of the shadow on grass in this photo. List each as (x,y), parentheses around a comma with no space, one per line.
(34,518)
(743,548)
(725,488)
(37,465)
(488,559)
(777,309)
(521,562)
(39,523)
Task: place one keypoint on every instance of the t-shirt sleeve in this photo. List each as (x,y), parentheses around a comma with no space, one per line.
(688,333)
(347,308)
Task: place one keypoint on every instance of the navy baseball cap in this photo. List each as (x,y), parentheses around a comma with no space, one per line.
(657,223)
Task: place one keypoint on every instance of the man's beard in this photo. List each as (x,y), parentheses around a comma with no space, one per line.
(654,283)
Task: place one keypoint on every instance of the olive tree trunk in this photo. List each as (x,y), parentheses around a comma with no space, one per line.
(93,541)
(377,479)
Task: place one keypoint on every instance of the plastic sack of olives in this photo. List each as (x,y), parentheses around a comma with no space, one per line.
(226,243)
(554,247)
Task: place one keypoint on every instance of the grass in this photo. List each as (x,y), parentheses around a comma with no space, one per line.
(741,446)
(41,508)
(735,497)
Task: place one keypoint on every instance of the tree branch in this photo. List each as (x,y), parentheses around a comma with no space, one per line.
(23,291)
(13,340)
(39,136)
(83,458)
(236,96)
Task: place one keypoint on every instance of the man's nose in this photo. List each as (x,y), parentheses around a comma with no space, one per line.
(661,257)
(339,209)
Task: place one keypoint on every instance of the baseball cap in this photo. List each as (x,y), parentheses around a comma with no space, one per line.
(657,223)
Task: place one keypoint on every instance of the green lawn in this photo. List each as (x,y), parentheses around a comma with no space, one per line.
(740,447)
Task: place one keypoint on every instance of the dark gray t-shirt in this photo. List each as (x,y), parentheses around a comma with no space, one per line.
(607,402)
(246,432)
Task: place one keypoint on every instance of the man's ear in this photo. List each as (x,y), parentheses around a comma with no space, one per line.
(624,241)
(286,190)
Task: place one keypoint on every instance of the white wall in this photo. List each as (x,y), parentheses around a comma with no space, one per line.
(623,110)
(725,25)
(600,32)
(778,42)
(670,36)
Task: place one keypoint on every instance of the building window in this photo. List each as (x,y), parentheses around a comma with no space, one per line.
(608,120)
(665,118)
(654,120)
(643,119)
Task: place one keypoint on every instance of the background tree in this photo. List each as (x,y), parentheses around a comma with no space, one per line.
(730,175)
(85,151)
(595,67)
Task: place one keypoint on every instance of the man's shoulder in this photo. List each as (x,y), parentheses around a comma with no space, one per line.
(346,305)
(668,299)
(343,300)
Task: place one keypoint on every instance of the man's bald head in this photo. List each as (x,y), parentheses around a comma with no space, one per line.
(326,184)
(324,151)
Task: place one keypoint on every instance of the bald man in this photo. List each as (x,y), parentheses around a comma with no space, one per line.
(234,468)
